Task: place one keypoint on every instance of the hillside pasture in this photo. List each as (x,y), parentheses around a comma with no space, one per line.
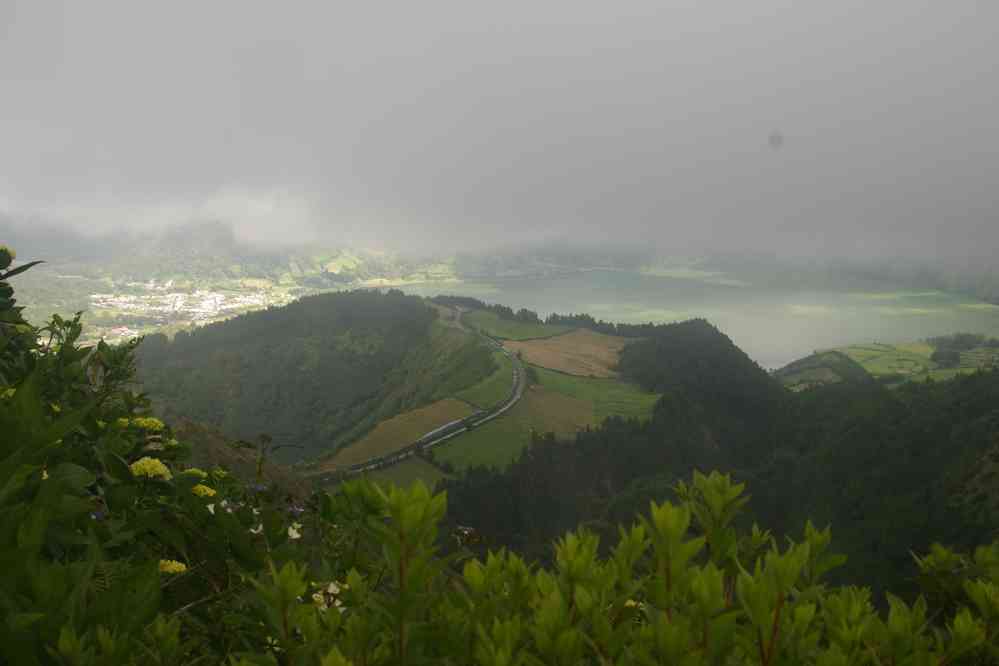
(559,403)
(581,352)
(498,442)
(495,388)
(607,397)
(821,368)
(509,329)
(398,432)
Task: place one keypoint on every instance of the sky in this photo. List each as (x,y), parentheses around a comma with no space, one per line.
(808,127)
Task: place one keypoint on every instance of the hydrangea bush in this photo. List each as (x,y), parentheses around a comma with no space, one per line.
(113,551)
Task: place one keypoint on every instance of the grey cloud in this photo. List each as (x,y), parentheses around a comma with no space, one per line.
(461,124)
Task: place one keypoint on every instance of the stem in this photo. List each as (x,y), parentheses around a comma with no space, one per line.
(773,630)
(403,556)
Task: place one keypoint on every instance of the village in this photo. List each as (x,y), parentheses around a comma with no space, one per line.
(145,307)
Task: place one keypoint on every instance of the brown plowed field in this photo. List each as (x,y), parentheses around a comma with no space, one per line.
(581,352)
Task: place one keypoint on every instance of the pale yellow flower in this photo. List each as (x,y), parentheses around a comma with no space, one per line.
(294,531)
(202,490)
(172,567)
(194,471)
(152,468)
(148,423)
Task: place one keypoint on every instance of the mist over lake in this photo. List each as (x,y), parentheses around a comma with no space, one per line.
(773,324)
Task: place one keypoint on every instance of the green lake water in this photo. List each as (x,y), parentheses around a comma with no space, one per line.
(773,325)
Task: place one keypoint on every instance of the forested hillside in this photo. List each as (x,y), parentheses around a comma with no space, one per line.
(314,374)
(117,551)
(893,469)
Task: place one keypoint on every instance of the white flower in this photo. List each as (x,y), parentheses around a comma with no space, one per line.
(293,531)
(211,508)
(256,511)
(258,529)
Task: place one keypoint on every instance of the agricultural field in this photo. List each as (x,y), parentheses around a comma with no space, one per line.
(581,352)
(911,361)
(397,432)
(405,473)
(608,397)
(508,329)
(495,388)
(560,403)
(499,441)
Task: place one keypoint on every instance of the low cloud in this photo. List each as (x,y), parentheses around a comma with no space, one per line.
(797,128)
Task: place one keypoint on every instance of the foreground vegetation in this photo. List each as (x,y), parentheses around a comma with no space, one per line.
(115,552)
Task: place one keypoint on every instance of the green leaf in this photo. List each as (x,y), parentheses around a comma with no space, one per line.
(74,477)
(20,269)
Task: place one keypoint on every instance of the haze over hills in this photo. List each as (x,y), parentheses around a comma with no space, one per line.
(777,309)
(506,334)
(525,477)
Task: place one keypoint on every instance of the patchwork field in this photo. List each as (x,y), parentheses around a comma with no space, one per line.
(911,361)
(398,432)
(508,329)
(560,403)
(493,389)
(581,352)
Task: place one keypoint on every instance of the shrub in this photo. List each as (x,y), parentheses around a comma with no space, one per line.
(111,554)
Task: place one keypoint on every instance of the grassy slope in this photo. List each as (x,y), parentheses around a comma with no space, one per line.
(499,441)
(400,431)
(453,361)
(493,389)
(506,329)
(609,397)
(561,404)
(827,367)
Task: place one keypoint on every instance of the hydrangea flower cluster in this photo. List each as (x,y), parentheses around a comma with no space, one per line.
(7,256)
(201,490)
(149,423)
(172,567)
(151,468)
(330,596)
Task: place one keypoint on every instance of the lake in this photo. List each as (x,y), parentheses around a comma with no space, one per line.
(774,325)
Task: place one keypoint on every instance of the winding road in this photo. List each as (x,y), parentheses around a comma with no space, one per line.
(447,431)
